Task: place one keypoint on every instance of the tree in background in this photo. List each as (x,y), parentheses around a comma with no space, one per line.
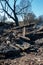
(30,18)
(21,8)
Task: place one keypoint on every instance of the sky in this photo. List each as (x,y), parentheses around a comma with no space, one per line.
(37,7)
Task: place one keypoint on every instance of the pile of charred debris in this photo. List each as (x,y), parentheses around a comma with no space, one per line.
(14,40)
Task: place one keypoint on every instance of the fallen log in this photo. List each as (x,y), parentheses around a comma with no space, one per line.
(21,47)
(35,36)
(26,39)
(17,46)
(39,32)
(20,27)
(40,29)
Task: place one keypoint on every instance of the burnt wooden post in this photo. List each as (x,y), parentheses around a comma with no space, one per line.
(24,31)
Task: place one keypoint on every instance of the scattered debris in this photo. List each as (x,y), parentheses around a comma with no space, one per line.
(14,41)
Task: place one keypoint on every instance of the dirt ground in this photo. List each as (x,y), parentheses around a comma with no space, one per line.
(27,59)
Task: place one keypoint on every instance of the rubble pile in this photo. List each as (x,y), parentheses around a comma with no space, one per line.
(12,40)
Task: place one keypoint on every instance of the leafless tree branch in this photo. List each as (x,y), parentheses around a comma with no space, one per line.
(6,12)
(23,8)
(9,5)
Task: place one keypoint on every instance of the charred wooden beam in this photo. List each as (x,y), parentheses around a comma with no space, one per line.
(35,36)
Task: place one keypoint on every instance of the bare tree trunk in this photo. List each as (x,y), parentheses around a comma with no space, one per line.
(16,20)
